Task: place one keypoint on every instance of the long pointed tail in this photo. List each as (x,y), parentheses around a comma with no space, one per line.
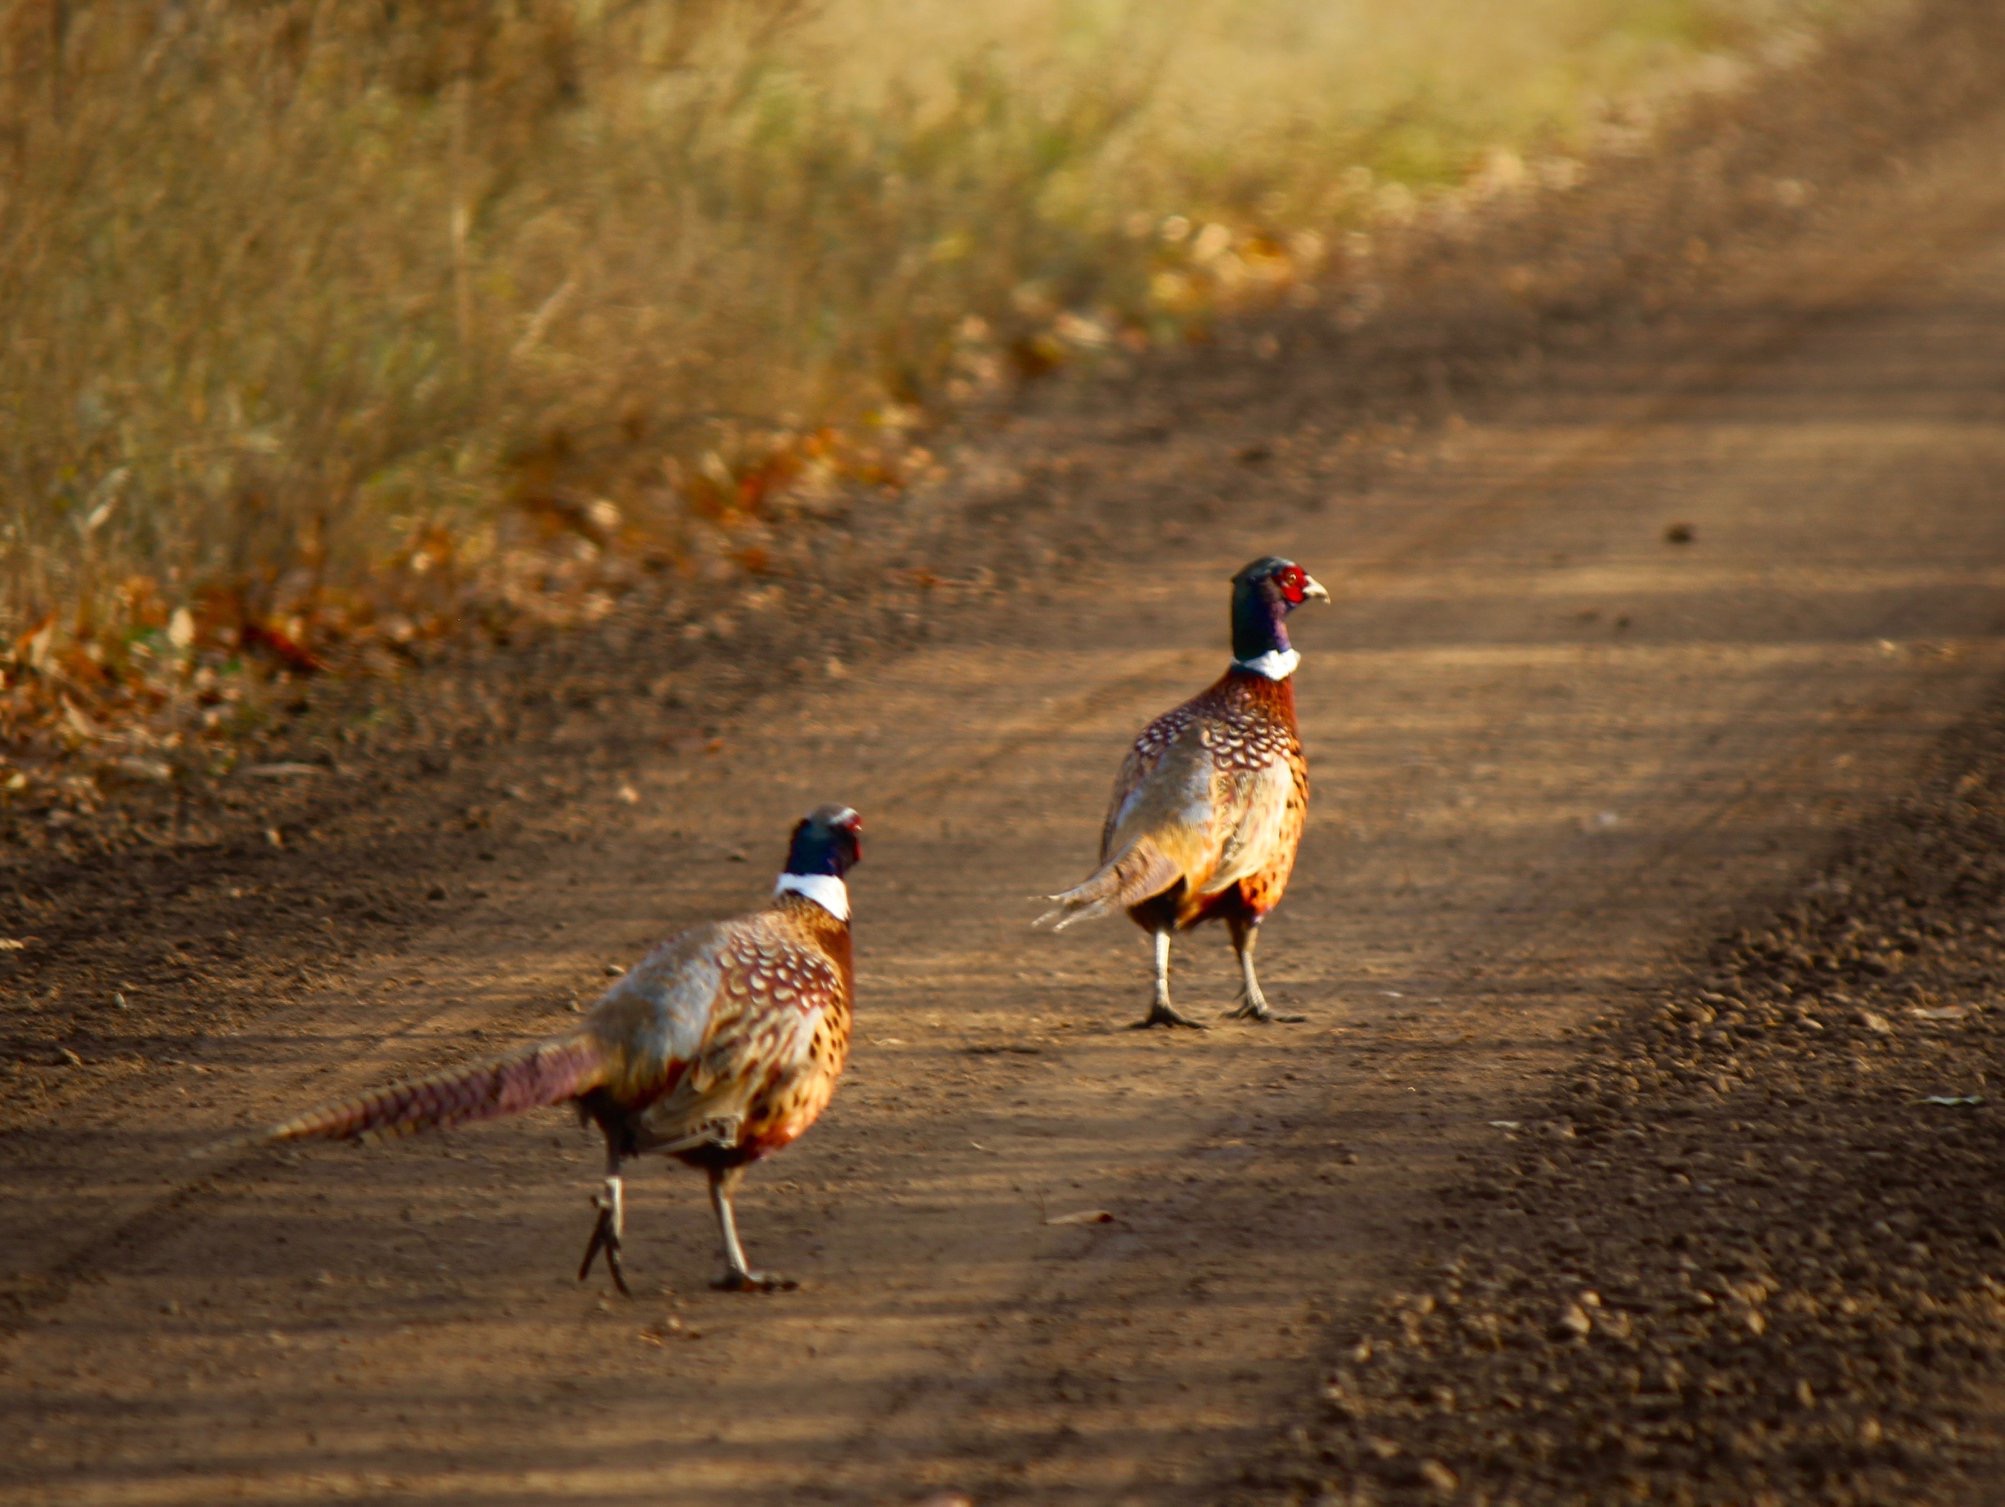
(1128,878)
(549,1072)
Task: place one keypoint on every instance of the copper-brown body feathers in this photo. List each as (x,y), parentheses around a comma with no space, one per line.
(1207,811)
(720,1046)
(774,1038)
(724,1044)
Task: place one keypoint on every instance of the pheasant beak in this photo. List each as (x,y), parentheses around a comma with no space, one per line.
(1314,590)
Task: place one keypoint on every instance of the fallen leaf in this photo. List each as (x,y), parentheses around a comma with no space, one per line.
(32,647)
(295,655)
(1083,1216)
(281,771)
(75,720)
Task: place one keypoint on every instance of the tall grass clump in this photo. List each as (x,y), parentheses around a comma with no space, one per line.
(320,313)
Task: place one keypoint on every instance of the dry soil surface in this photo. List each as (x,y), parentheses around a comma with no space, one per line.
(1651,893)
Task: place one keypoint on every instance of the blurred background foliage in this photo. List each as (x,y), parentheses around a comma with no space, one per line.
(328,318)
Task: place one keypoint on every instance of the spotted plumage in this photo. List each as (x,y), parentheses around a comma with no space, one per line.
(1209,805)
(721,1046)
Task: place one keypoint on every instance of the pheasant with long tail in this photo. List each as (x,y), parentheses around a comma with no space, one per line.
(719,1047)
(1209,806)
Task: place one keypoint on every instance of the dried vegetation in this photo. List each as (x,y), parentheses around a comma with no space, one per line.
(335,328)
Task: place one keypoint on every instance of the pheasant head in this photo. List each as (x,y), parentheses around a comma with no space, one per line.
(826,845)
(1263,594)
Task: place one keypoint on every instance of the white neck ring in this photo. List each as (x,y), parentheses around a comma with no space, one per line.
(1275,664)
(826,890)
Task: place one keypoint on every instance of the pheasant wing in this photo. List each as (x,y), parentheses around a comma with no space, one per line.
(772,995)
(1161,828)
(1173,806)
(1138,770)
(1252,806)
(652,1022)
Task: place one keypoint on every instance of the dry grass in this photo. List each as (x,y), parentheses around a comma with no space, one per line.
(320,315)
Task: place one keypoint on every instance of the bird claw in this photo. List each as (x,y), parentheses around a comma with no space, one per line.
(1257,1010)
(605,1238)
(748,1281)
(1161,1014)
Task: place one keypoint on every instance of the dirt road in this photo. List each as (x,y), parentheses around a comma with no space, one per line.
(1608,659)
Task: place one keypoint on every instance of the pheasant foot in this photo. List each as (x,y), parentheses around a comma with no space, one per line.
(746,1281)
(738,1277)
(1161,1013)
(1256,1009)
(1252,1000)
(606,1235)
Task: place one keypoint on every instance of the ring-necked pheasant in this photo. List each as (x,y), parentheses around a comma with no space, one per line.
(720,1046)
(1209,805)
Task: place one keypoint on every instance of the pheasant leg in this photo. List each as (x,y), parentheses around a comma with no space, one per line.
(611,1204)
(738,1277)
(1252,1003)
(1161,1012)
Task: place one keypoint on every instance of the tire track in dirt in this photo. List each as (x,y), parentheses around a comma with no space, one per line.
(1808,1306)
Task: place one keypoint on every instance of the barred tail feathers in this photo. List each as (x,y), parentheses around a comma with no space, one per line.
(1137,872)
(549,1072)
